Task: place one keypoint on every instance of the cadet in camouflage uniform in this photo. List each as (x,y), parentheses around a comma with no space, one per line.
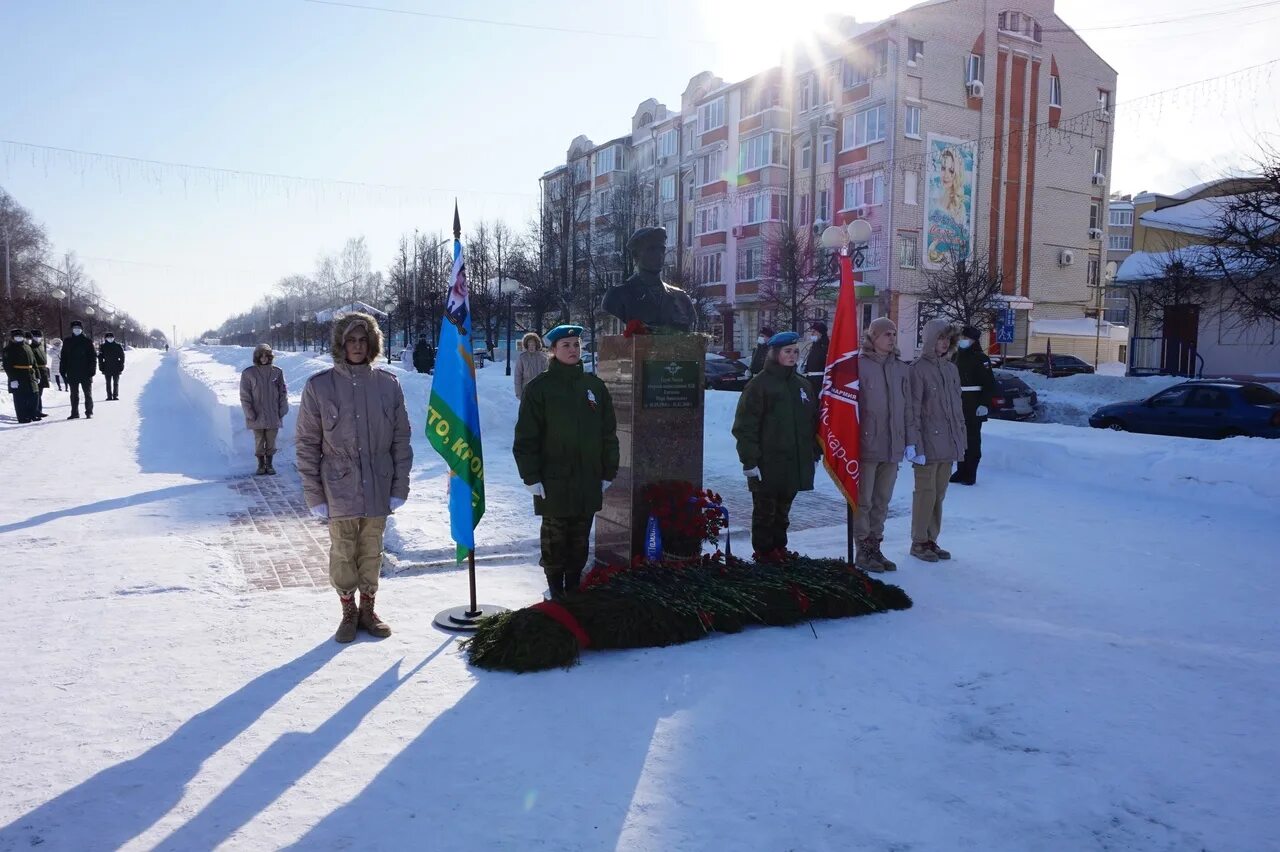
(776,427)
(566,449)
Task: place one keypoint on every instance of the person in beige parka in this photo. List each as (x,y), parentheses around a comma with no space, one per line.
(264,399)
(532,362)
(354,456)
(888,430)
(935,395)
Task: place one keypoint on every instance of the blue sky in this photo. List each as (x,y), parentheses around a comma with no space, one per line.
(298,88)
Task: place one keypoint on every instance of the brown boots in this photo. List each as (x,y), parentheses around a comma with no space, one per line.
(369,621)
(870,558)
(928,551)
(350,618)
(362,617)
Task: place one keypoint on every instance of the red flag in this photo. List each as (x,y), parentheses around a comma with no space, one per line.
(838,428)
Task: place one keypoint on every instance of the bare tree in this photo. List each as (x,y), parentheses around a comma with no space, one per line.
(795,271)
(964,290)
(1246,245)
(1183,282)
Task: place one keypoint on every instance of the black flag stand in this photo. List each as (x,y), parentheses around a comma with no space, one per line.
(465,619)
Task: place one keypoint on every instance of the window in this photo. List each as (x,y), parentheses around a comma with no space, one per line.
(1208,398)
(824,205)
(750,263)
(762,207)
(806,154)
(908,251)
(706,268)
(708,219)
(762,99)
(911,126)
(806,210)
(872,61)
(866,315)
(1172,398)
(910,187)
(808,92)
(1019,24)
(580,171)
(711,167)
(604,202)
(667,188)
(667,143)
(607,160)
(767,149)
(688,234)
(872,254)
(1099,161)
(1091,272)
(1259,395)
(1104,100)
(1093,216)
(1055,90)
(644,155)
(1122,218)
(711,116)
(828,86)
(865,190)
(827,147)
(973,69)
(863,128)
(1120,242)
(915,50)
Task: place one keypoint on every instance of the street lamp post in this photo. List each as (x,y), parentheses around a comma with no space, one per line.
(507,288)
(391,324)
(89,312)
(58,295)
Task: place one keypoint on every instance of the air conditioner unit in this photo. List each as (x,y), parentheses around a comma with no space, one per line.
(1104,115)
(1066,257)
(975,88)
(1099,179)
(737,231)
(860,212)
(1095,233)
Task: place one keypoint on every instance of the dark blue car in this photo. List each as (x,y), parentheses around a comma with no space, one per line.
(1201,409)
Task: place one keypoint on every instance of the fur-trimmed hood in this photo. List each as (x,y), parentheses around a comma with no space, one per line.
(935,329)
(535,337)
(263,349)
(342,326)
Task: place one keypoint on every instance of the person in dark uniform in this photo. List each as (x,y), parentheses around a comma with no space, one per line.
(424,357)
(762,349)
(977,387)
(566,450)
(776,427)
(78,366)
(20,374)
(111,363)
(35,339)
(815,363)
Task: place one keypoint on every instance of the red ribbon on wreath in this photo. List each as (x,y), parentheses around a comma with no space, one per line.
(559,614)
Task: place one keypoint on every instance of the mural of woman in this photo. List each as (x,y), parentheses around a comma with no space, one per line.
(952,186)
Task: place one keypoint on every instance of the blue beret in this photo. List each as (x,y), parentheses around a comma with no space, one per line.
(562,331)
(783,338)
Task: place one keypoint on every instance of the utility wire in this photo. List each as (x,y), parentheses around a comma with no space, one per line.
(1209,13)
(495,23)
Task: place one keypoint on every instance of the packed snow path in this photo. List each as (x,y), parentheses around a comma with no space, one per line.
(1096,669)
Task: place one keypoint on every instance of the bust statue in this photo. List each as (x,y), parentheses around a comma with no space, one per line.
(644,296)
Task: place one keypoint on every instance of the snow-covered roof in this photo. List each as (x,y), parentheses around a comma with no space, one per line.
(1205,260)
(1081,327)
(1198,217)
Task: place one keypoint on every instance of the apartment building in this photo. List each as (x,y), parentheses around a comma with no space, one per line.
(955,128)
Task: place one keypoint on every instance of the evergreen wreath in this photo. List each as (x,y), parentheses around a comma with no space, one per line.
(655,604)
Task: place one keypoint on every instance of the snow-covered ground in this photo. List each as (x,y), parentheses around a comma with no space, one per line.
(1096,669)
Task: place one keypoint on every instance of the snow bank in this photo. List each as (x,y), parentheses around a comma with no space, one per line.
(1240,471)
(1071,399)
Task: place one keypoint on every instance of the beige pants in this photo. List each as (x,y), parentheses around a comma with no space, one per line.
(926,503)
(875,490)
(355,554)
(264,442)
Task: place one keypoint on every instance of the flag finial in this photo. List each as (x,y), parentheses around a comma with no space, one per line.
(457,222)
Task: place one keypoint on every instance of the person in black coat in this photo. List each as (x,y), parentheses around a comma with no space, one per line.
(424,357)
(762,349)
(35,339)
(20,372)
(977,387)
(79,364)
(111,363)
(815,364)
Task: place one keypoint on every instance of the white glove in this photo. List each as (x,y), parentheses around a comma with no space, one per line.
(604,485)
(753,473)
(13,384)
(910,454)
(321,511)
(396,503)
(537,490)
(918,459)
(982,411)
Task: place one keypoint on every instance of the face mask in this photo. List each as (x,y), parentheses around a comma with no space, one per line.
(965,343)
(37,339)
(110,339)
(814,338)
(761,339)
(77,331)
(18,340)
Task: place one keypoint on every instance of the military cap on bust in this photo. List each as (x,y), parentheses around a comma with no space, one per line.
(647,235)
(560,332)
(783,338)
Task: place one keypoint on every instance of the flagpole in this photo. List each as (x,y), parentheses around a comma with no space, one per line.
(471,571)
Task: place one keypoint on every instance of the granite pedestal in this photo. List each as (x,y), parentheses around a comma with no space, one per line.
(656,382)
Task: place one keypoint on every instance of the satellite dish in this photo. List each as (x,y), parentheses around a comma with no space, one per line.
(1110,273)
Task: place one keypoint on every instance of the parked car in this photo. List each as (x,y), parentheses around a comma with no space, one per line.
(725,374)
(1038,362)
(1198,409)
(1014,399)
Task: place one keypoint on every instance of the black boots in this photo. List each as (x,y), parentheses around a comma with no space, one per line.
(262,466)
(270,471)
